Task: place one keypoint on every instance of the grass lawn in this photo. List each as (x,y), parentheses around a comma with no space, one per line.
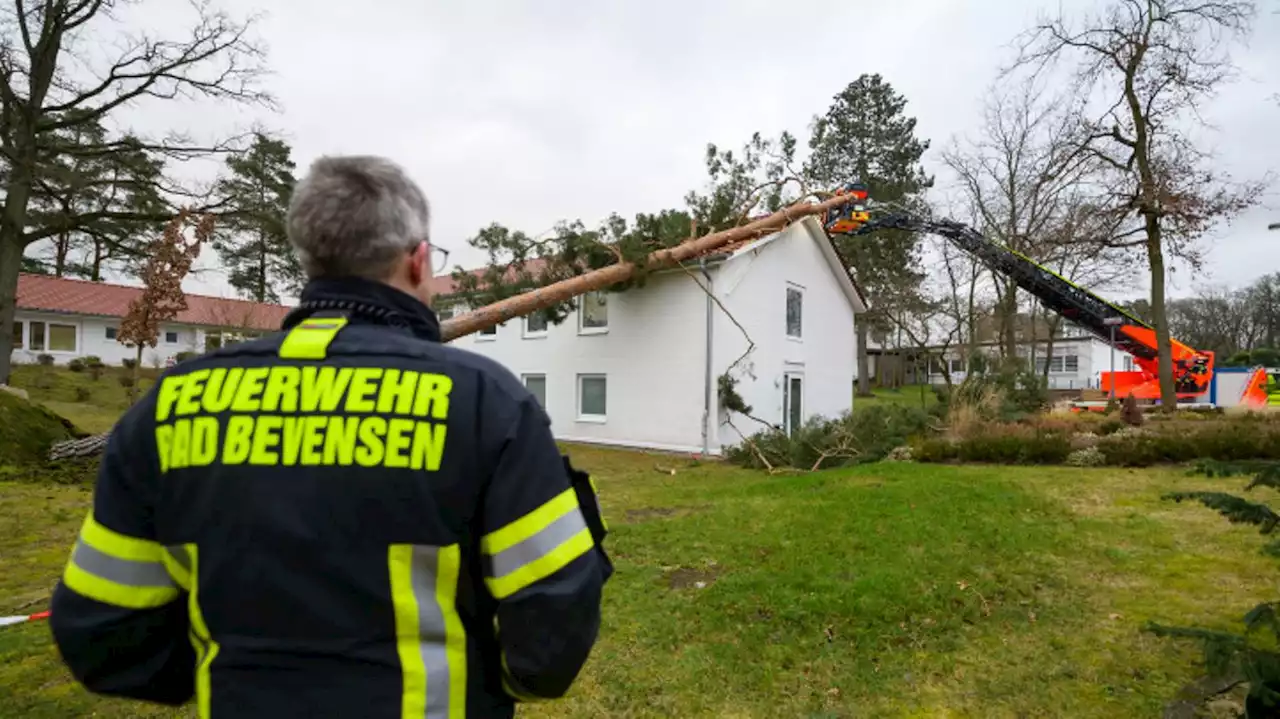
(911,395)
(889,590)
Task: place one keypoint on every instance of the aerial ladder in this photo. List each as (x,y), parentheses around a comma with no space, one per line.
(1193,369)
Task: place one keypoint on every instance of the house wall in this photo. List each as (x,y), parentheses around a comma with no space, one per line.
(753,287)
(91,339)
(652,357)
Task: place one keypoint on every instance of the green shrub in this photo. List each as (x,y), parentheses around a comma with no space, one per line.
(129,362)
(184,356)
(1087,457)
(999,444)
(1110,426)
(1020,393)
(76,365)
(1015,446)
(126,380)
(45,360)
(866,434)
(1178,442)
(83,394)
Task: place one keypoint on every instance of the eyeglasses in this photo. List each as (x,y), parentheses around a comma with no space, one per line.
(439,256)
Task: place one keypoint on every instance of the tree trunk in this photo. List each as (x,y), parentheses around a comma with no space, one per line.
(1006,322)
(137,376)
(1155,258)
(864,365)
(10,266)
(61,247)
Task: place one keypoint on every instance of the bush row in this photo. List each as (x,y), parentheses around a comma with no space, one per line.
(1235,440)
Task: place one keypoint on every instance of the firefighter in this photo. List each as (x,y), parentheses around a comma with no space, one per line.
(1273,390)
(344,519)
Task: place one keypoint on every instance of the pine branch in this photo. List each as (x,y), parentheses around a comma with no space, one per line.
(1235,509)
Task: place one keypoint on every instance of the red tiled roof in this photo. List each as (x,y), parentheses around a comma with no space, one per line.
(82,297)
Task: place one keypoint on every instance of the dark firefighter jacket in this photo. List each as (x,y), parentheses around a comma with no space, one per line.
(345,519)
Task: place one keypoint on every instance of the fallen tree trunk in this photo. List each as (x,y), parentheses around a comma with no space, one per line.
(541,298)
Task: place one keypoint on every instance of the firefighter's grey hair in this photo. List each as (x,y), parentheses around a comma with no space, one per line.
(356,215)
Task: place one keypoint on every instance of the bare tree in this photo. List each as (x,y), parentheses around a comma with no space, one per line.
(51,82)
(963,296)
(1151,65)
(1017,178)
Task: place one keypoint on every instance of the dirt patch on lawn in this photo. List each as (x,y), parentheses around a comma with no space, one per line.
(692,578)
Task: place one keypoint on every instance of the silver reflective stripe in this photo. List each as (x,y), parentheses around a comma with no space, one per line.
(128,572)
(539,545)
(423,572)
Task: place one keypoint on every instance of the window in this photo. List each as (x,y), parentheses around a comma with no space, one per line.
(535,324)
(17,335)
(112,332)
(795,311)
(792,402)
(488,333)
(446,312)
(956,365)
(46,336)
(171,338)
(537,386)
(592,392)
(1059,363)
(593,313)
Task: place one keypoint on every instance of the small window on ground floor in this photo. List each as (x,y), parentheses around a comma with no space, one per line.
(17,335)
(592,394)
(112,332)
(171,337)
(52,337)
(537,386)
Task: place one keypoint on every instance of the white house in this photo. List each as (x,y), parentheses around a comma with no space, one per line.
(1077,361)
(640,368)
(68,318)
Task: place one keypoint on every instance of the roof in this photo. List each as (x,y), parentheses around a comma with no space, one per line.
(839,268)
(64,295)
(445,284)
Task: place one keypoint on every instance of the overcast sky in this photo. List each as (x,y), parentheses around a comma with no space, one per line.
(529,113)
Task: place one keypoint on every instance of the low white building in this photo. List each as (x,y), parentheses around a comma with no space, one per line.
(640,368)
(69,318)
(1077,360)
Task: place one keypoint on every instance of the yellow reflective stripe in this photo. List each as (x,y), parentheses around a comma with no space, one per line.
(448,568)
(117,569)
(206,647)
(430,638)
(530,524)
(180,572)
(413,699)
(119,545)
(121,595)
(311,338)
(543,567)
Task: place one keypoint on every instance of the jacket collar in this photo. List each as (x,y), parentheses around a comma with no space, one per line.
(367,301)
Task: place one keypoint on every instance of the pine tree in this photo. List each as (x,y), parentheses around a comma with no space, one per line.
(252,240)
(1250,657)
(866,137)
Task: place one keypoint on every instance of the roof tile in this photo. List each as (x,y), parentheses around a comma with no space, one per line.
(82,297)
